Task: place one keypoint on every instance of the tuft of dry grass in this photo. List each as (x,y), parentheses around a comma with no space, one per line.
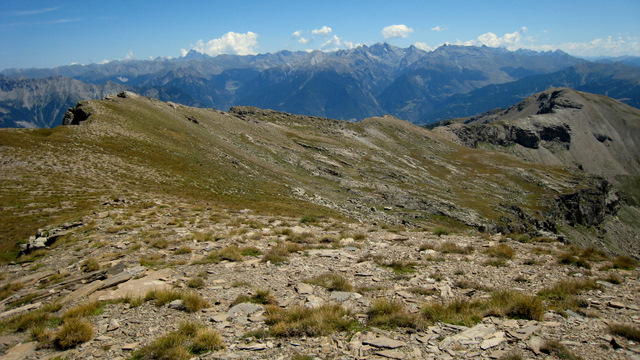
(87,309)
(558,350)
(390,314)
(89,265)
(505,303)
(331,281)
(72,333)
(500,251)
(624,262)
(262,296)
(190,339)
(453,248)
(562,295)
(192,300)
(10,288)
(626,330)
(279,253)
(303,321)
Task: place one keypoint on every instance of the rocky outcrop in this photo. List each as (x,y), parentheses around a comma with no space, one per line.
(588,207)
(75,115)
(507,135)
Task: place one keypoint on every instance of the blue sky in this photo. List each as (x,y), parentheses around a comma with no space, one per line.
(38,33)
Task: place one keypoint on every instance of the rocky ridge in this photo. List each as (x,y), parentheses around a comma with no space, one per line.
(136,246)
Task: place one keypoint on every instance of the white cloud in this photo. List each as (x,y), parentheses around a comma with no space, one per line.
(332,44)
(511,41)
(396,31)
(35,11)
(229,43)
(438,28)
(324,31)
(605,46)
(609,46)
(299,38)
(422,46)
(129,55)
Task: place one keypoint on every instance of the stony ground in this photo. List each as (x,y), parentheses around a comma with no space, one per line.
(140,245)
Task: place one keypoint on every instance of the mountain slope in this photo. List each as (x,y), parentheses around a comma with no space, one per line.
(618,81)
(562,126)
(591,133)
(381,169)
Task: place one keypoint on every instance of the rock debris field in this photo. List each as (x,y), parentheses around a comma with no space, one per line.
(261,287)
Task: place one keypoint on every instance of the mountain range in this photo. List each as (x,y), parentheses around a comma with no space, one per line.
(408,83)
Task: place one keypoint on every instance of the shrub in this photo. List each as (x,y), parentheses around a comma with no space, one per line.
(73,333)
(331,281)
(386,313)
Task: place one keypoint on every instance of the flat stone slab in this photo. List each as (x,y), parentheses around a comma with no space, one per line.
(244,309)
(83,291)
(304,288)
(384,342)
(20,351)
(493,342)
(391,354)
(20,309)
(139,287)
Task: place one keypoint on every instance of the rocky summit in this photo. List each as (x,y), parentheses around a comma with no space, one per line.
(152,230)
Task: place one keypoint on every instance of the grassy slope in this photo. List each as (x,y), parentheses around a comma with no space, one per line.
(141,148)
